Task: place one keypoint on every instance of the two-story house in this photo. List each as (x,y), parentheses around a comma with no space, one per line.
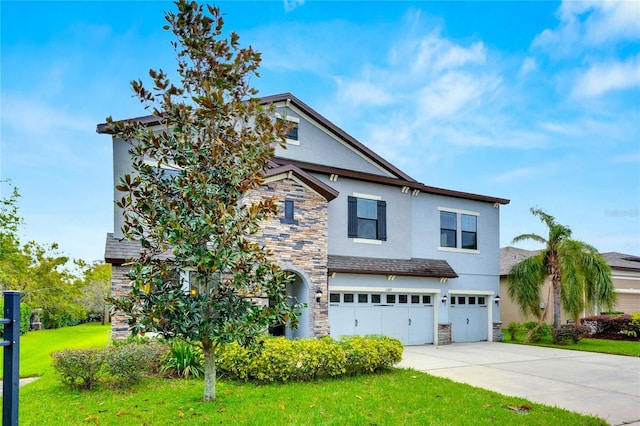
(373,250)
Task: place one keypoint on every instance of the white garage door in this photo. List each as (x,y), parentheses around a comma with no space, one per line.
(407,317)
(469,316)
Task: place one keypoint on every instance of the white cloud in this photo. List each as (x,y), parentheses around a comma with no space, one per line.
(590,23)
(290,5)
(529,65)
(605,77)
(436,54)
(364,91)
(454,91)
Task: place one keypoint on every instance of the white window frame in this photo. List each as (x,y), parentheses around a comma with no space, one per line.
(458,213)
(293,120)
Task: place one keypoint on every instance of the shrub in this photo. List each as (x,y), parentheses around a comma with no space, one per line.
(276,359)
(514,328)
(79,368)
(607,325)
(183,360)
(127,363)
(371,353)
(25,317)
(539,331)
(569,333)
(633,327)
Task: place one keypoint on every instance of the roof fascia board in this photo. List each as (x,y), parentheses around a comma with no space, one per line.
(367,177)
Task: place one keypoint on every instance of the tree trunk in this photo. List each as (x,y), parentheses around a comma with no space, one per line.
(555,283)
(208,350)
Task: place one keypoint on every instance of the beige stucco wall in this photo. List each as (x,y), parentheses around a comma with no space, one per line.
(627,285)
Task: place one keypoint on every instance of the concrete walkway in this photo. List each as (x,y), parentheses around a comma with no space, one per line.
(607,386)
(22,382)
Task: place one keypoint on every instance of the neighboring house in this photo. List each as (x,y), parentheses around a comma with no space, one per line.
(625,274)
(373,250)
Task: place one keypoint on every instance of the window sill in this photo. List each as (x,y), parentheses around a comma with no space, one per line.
(458,250)
(292,142)
(366,241)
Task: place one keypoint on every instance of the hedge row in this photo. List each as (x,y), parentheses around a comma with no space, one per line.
(613,325)
(278,359)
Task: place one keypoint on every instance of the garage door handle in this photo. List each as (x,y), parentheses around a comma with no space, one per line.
(409,321)
(356,323)
(467,320)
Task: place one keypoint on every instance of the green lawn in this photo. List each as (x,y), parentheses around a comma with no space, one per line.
(36,346)
(400,396)
(613,347)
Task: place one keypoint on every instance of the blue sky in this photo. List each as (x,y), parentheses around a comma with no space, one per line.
(537,102)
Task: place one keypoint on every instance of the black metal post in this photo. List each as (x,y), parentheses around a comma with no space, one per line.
(11,343)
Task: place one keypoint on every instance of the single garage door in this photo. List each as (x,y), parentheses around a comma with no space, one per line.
(407,317)
(469,317)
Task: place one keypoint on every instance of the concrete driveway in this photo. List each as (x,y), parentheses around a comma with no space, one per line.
(607,386)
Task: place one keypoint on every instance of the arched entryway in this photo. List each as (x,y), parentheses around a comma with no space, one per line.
(297,291)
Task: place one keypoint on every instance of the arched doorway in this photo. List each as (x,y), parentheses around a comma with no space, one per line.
(297,291)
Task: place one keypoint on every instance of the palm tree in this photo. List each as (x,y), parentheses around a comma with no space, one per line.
(580,277)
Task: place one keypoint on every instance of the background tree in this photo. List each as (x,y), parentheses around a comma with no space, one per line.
(580,277)
(39,272)
(96,288)
(215,146)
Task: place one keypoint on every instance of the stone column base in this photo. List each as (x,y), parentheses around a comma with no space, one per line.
(444,334)
(498,335)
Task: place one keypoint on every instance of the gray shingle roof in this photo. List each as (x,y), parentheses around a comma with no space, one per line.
(401,267)
(119,251)
(622,261)
(509,256)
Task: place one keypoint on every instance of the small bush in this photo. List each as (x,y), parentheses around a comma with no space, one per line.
(79,368)
(276,359)
(541,333)
(183,360)
(633,327)
(126,364)
(514,328)
(569,333)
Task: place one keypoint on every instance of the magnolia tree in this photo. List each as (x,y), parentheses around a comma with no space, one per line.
(186,200)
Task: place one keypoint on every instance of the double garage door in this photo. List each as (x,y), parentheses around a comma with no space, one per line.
(404,316)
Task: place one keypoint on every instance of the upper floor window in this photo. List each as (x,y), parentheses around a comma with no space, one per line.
(367,218)
(292,128)
(469,231)
(458,229)
(448,227)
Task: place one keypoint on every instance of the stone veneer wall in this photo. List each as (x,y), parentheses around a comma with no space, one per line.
(498,335)
(444,334)
(119,288)
(301,247)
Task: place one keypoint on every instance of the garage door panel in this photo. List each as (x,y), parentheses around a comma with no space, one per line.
(420,326)
(469,316)
(341,321)
(396,323)
(368,320)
